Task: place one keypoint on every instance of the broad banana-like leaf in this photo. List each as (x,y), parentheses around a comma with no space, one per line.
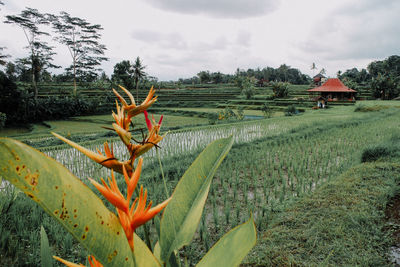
(72,203)
(45,254)
(182,215)
(232,247)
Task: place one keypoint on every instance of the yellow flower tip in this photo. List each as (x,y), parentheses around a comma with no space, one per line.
(93,262)
(123,134)
(120,98)
(68,263)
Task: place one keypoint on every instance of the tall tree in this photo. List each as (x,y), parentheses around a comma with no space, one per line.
(138,74)
(41,54)
(123,74)
(204,76)
(82,40)
(284,69)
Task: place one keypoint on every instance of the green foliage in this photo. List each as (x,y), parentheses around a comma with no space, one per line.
(246,85)
(61,195)
(291,110)
(248,89)
(383,151)
(340,224)
(123,74)
(182,215)
(364,108)
(232,247)
(212,118)
(385,82)
(385,86)
(240,113)
(267,111)
(280,89)
(46,258)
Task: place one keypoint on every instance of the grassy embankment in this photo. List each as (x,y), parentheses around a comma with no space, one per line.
(342,223)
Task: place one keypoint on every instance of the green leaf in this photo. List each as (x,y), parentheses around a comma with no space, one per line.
(232,247)
(72,203)
(182,215)
(45,254)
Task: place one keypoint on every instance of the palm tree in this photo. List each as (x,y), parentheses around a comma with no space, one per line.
(138,73)
(313,68)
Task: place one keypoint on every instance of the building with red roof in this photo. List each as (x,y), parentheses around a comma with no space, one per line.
(332,90)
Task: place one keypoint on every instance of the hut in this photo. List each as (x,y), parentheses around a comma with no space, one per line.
(319,79)
(333,90)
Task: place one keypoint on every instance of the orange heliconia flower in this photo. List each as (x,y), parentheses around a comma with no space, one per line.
(130,216)
(92,261)
(152,138)
(133,110)
(108,160)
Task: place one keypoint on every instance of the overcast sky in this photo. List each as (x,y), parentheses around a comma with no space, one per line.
(178,38)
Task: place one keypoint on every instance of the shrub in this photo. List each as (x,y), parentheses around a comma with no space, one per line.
(240,113)
(280,89)
(363,108)
(212,118)
(390,148)
(374,153)
(267,111)
(291,110)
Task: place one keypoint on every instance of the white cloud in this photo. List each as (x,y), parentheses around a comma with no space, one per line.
(220,9)
(360,30)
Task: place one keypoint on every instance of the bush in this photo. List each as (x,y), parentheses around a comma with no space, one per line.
(363,108)
(267,111)
(390,148)
(374,153)
(240,113)
(212,118)
(291,110)
(280,89)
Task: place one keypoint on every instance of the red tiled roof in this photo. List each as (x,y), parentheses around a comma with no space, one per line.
(332,85)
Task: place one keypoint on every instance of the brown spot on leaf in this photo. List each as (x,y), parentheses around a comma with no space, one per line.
(75,216)
(83,236)
(102,222)
(117,233)
(126,259)
(30,195)
(56,187)
(86,229)
(74,210)
(56,212)
(75,225)
(17,168)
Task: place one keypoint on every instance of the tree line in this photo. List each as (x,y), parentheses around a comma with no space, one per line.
(381,76)
(283,73)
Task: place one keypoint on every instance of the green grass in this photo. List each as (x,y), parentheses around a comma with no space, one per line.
(339,224)
(278,177)
(93,124)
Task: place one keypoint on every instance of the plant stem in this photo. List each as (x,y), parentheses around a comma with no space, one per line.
(162,174)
